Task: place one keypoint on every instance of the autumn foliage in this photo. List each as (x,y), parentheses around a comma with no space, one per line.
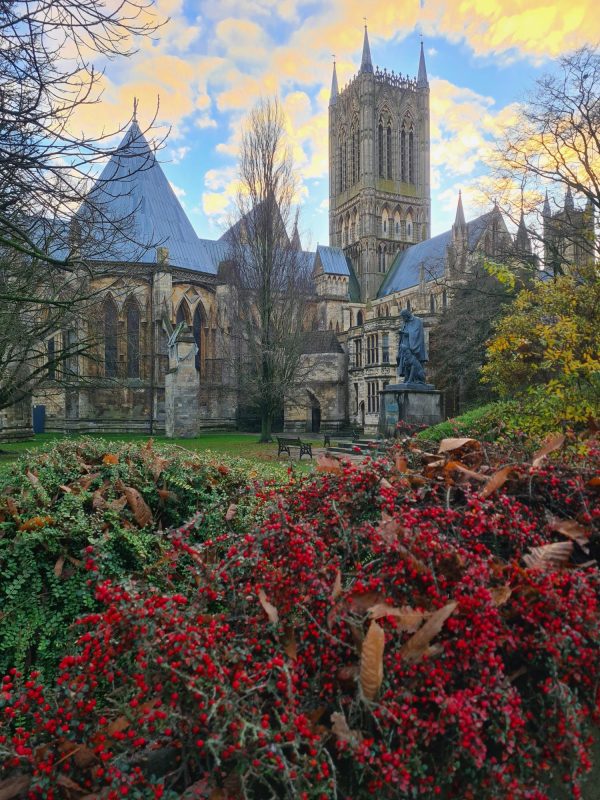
(423,625)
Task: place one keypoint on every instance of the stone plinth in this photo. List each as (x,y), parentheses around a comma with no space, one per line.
(182,411)
(414,403)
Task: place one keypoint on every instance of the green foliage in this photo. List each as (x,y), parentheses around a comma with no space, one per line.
(486,422)
(546,351)
(117,498)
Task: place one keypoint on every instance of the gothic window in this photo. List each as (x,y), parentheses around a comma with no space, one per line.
(408,307)
(444,299)
(373,397)
(359,318)
(132,319)
(389,150)
(381,258)
(355,153)
(358,352)
(380,148)
(182,315)
(397,225)
(197,325)
(352,229)
(372,348)
(409,227)
(51,350)
(403,153)
(70,348)
(432,303)
(385,348)
(411,156)
(110,338)
(384,222)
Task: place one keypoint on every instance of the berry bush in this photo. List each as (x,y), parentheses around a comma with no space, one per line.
(404,628)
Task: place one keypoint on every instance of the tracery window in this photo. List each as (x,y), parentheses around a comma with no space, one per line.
(389,150)
(51,350)
(110,338)
(132,319)
(197,325)
(432,303)
(381,258)
(403,174)
(411,156)
(380,148)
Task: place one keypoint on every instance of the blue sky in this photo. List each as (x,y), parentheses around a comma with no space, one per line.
(212,60)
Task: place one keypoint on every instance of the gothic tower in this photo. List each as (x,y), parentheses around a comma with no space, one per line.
(379,188)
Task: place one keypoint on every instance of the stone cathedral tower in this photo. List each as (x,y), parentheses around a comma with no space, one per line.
(379,188)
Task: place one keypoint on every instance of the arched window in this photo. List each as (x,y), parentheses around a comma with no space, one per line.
(197,325)
(408,307)
(51,351)
(110,338)
(355,152)
(444,299)
(132,320)
(384,222)
(389,150)
(403,153)
(411,156)
(182,314)
(432,303)
(409,227)
(381,258)
(397,225)
(344,233)
(359,318)
(380,148)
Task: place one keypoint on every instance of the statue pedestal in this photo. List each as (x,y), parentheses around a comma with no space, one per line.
(414,403)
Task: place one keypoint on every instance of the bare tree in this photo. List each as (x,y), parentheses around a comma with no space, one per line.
(270,275)
(49,248)
(548,163)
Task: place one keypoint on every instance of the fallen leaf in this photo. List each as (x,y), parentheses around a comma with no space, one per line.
(337,586)
(231,512)
(13,787)
(139,508)
(497,480)
(343,731)
(58,567)
(32,478)
(359,603)
(401,463)
(572,530)
(270,609)
(119,724)
(68,783)
(448,445)
(389,528)
(289,643)
(330,464)
(500,594)
(98,501)
(166,494)
(551,443)
(416,647)
(118,504)
(385,484)
(408,619)
(371,661)
(456,466)
(549,556)
(35,523)
(110,458)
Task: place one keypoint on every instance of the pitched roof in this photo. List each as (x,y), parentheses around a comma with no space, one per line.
(333,260)
(320,342)
(133,197)
(431,255)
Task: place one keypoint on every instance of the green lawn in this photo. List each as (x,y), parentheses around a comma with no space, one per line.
(242,445)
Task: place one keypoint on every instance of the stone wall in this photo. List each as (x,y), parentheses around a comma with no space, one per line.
(320,399)
(15,422)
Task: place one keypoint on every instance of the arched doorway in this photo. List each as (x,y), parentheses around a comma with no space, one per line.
(315,413)
(361,413)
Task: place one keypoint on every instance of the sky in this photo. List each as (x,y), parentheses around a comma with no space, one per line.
(211,61)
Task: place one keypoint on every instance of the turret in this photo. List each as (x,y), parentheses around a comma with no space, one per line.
(422,82)
(334,87)
(522,241)
(366,65)
(569,204)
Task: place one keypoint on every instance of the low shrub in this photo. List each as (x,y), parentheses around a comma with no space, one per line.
(119,499)
(383,631)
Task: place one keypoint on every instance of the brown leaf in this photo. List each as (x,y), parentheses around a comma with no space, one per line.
(347,677)
(110,458)
(572,530)
(68,783)
(389,528)
(98,501)
(456,466)
(385,484)
(497,480)
(371,661)
(32,478)
(139,508)
(330,464)
(448,445)
(337,586)
(66,489)
(500,594)
(594,482)
(408,619)
(35,523)
(58,567)
(270,609)
(359,603)
(13,787)
(116,726)
(416,647)
(401,463)
(12,507)
(118,504)
(551,443)
(165,494)
(343,731)
(549,556)
(289,643)
(231,512)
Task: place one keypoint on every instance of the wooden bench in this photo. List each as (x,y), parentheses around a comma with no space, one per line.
(284,445)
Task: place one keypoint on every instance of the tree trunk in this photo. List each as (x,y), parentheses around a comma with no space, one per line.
(265,427)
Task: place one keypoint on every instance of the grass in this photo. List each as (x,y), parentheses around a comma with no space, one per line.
(241,445)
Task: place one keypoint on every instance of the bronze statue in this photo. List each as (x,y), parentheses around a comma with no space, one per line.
(412,354)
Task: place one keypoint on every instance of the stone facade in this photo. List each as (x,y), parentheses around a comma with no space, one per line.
(182,412)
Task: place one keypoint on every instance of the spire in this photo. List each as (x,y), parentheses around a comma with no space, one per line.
(422,82)
(522,241)
(334,87)
(547,212)
(366,65)
(569,204)
(459,221)
(295,242)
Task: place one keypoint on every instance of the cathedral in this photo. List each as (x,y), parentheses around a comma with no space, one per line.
(381,259)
